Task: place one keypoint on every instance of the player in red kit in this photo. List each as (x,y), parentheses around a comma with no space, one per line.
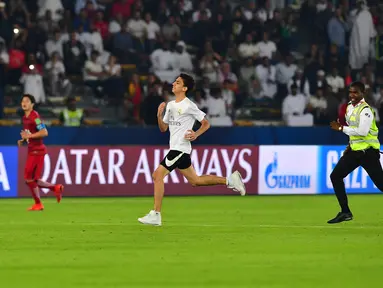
(33,133)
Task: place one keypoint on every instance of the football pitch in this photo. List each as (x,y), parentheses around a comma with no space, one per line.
(275,241)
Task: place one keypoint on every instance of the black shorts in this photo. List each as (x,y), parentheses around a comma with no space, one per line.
(176,159)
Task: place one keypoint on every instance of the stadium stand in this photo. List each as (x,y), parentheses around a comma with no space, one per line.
(118,58)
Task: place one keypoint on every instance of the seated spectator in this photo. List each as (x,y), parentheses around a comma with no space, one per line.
(225,74)
(16,61)
(122,7)
(81,4)
(74,55)
(163,63)
(266,47)
(201,9)
(228,96)
(101,25)
(171,31)
(71,116)
(31,60)
(137,27)
(136,95)
(33,83)
(55,44)
(334,81)
(149,107)
(123,46)
(247,71)
(320,81)
(54,6)
(114,86)
(285,71)
(294,109)
(318,107)
(248,49)
(302,83)
(91,10)
(182,58)
(91,40)
(59,85)
(82,20)
(200,100)
(217,110)
(152,30)
(47,24)
(116,24)
(266,76)
(93,74)
(18,14)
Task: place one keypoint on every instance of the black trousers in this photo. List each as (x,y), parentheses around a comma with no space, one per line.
(368,159)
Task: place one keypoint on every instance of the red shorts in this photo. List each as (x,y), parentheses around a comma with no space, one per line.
(34,167)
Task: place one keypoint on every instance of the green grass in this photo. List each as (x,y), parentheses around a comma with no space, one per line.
(204,242)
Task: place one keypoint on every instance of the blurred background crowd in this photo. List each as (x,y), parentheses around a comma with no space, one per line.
(256,62)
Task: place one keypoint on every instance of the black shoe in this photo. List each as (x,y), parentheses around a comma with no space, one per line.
(340,218)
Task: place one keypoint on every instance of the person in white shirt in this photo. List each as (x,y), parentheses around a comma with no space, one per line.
(163,63)
(299,80)
(33,84)
(226,74)
(217,110)
(318,107)
(55,72)
(183,58)
(152,31)
(334,81)
(248,49)
(285,71)
(266,47)
(293,109)
(93,73)
(202,9)
(228,96)
(180,116)
(55,6)
(266,77)
(55,45)
(116,24)
(209,67)
(91,40)
(136,26)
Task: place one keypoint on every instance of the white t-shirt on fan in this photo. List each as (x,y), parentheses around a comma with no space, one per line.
(180,116)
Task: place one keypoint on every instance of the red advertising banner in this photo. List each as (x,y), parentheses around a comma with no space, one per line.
(127,170)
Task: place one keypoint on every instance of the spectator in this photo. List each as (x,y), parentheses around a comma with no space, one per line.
(284,72)
(294,109)
(101,25)
(320,82)
(114,86)
(4,61)
(122,7)
(303,85)
(163,63)
(163,13)
(152,32)
(6,26)
(31,61)
(266,47)
(248,49)
(334,81)
(90,11)
(209,68)
(54,6)
(82,20)
(266,75)
(378,53)
(247,71)
(47,24)
(19,14)
(237,26)
(362,32)
(74,55)
(337,30)
(225,74)
(16,61)
(123,46)
(150,106)
(379,102)
(93,73)
(137,26)
(202,10)
(71,116)
(183,58)
(136,95)
(228,96)
(59,85)
(216,109)
(318,107)
(33,83)
(81,4)
(116,24)
(171,31)
(55,44)
(200,100)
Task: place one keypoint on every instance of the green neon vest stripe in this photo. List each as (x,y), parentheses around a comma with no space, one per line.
(358,143)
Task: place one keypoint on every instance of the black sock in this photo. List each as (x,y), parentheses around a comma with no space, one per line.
(340,192)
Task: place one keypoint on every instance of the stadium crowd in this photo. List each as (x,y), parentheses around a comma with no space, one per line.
(296,55)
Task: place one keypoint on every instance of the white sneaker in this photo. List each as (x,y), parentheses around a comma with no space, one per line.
(235,182)
(152,218)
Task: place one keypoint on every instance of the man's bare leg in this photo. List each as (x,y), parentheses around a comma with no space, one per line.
(159,186)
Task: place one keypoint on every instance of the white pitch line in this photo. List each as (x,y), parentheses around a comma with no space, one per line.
(170,224)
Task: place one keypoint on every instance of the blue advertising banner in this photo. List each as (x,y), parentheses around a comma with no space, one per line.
(8,171)
(357,182)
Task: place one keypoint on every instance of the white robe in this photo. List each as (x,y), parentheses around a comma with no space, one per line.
(362,31)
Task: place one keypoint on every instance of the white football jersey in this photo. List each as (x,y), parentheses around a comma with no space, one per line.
(181,117)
